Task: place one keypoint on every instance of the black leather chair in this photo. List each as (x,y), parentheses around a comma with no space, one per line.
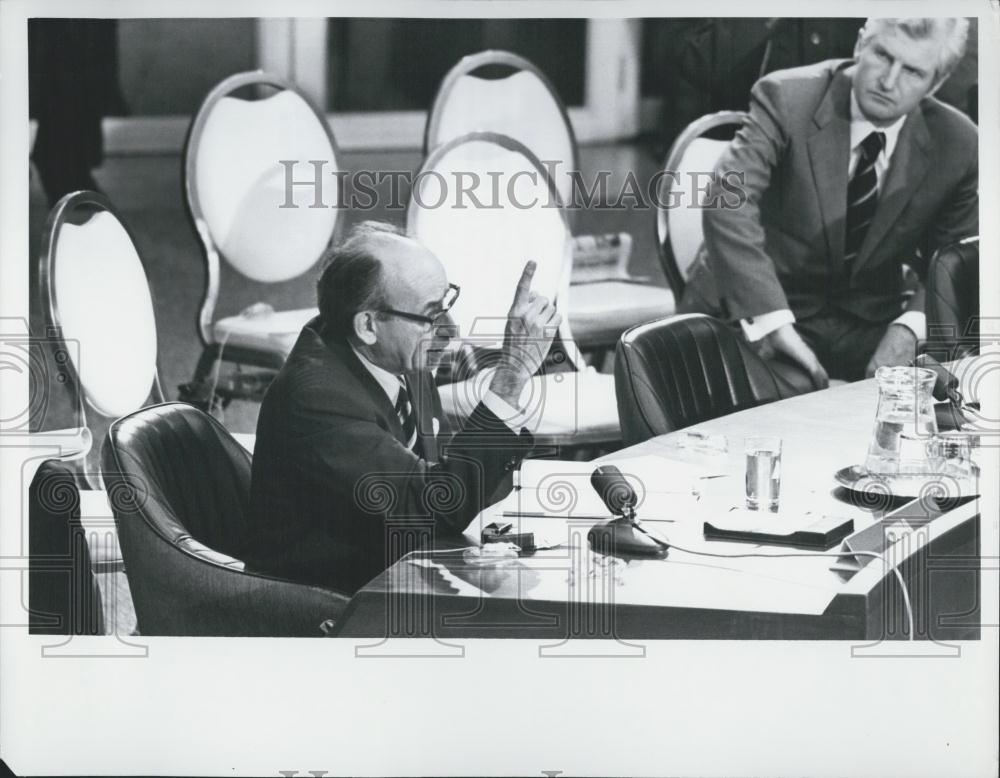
(686,369)
(952,302)
(63,596)
(179,486)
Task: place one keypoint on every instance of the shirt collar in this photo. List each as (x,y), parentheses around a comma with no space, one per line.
(861,128)
(390,383)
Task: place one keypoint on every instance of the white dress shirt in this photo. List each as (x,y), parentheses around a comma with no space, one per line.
(861,128)
(391,384)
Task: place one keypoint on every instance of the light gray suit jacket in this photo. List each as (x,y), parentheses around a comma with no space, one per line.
(784,247)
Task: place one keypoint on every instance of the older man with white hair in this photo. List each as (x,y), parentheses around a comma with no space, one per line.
(851,169)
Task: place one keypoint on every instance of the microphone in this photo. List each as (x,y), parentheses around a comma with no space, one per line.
(614,490)
(622,535)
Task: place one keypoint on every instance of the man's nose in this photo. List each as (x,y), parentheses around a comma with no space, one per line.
(891,76)
(446,328)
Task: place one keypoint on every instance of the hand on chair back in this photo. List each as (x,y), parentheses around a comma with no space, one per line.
(787,341)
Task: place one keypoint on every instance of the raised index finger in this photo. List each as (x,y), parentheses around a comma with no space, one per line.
(524,283)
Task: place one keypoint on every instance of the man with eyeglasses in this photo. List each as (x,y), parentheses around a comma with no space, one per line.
(353,463)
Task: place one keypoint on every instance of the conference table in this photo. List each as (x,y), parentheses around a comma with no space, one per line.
(449,588)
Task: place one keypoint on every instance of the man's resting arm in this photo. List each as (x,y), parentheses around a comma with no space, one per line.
(734,237)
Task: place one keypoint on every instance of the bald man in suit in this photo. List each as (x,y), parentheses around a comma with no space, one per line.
(354,463)
(851,169)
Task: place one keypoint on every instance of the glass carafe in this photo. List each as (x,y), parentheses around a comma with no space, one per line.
(903,422)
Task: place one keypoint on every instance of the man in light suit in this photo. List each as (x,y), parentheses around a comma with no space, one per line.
(353,463)
(851,168)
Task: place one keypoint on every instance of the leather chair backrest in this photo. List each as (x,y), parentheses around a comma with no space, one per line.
(193,478)
(179,485)
(952,302)
(63,595)
(683,370)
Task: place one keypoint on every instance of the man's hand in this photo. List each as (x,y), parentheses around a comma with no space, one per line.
(786,340)
(532,323)
(898,347)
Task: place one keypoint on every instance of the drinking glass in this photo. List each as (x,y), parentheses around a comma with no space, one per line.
(763,472)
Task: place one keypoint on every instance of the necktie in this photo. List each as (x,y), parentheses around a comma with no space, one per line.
(862,195)
(404,409)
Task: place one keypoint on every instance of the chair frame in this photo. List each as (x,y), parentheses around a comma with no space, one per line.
(50,304)
(954,244)
(514,145)
(693,131)
(970,325)
(501,58)
(470,63)
(560,358)
(473,62)
(213,351)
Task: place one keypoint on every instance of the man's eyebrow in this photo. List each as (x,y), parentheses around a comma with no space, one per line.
(435,304)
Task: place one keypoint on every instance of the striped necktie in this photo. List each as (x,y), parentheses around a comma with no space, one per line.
(404,409)
(862,195)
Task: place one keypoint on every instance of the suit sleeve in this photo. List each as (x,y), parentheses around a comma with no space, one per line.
(960,216)
(384,479)
(958,219)
(734,237)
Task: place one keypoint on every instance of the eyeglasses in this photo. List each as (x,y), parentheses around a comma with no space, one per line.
(438,318)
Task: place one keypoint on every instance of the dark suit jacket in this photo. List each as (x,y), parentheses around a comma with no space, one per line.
(335,494)
(784,248)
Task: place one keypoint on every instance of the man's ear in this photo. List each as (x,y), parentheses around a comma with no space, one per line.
(364,327)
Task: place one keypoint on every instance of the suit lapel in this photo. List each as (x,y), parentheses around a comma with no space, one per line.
(829,153)
(907,169)
(420,385)
(375,391)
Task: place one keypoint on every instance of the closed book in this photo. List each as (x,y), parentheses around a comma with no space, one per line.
(777,530)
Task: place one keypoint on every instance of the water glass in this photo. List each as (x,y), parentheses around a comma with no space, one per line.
(763,472)
(950,455)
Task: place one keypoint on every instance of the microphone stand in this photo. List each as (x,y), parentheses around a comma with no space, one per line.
(622,535)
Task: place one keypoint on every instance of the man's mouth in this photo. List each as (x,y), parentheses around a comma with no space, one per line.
(880,97)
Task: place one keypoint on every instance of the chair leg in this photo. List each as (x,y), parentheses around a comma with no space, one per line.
(210,393)
(196,391)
